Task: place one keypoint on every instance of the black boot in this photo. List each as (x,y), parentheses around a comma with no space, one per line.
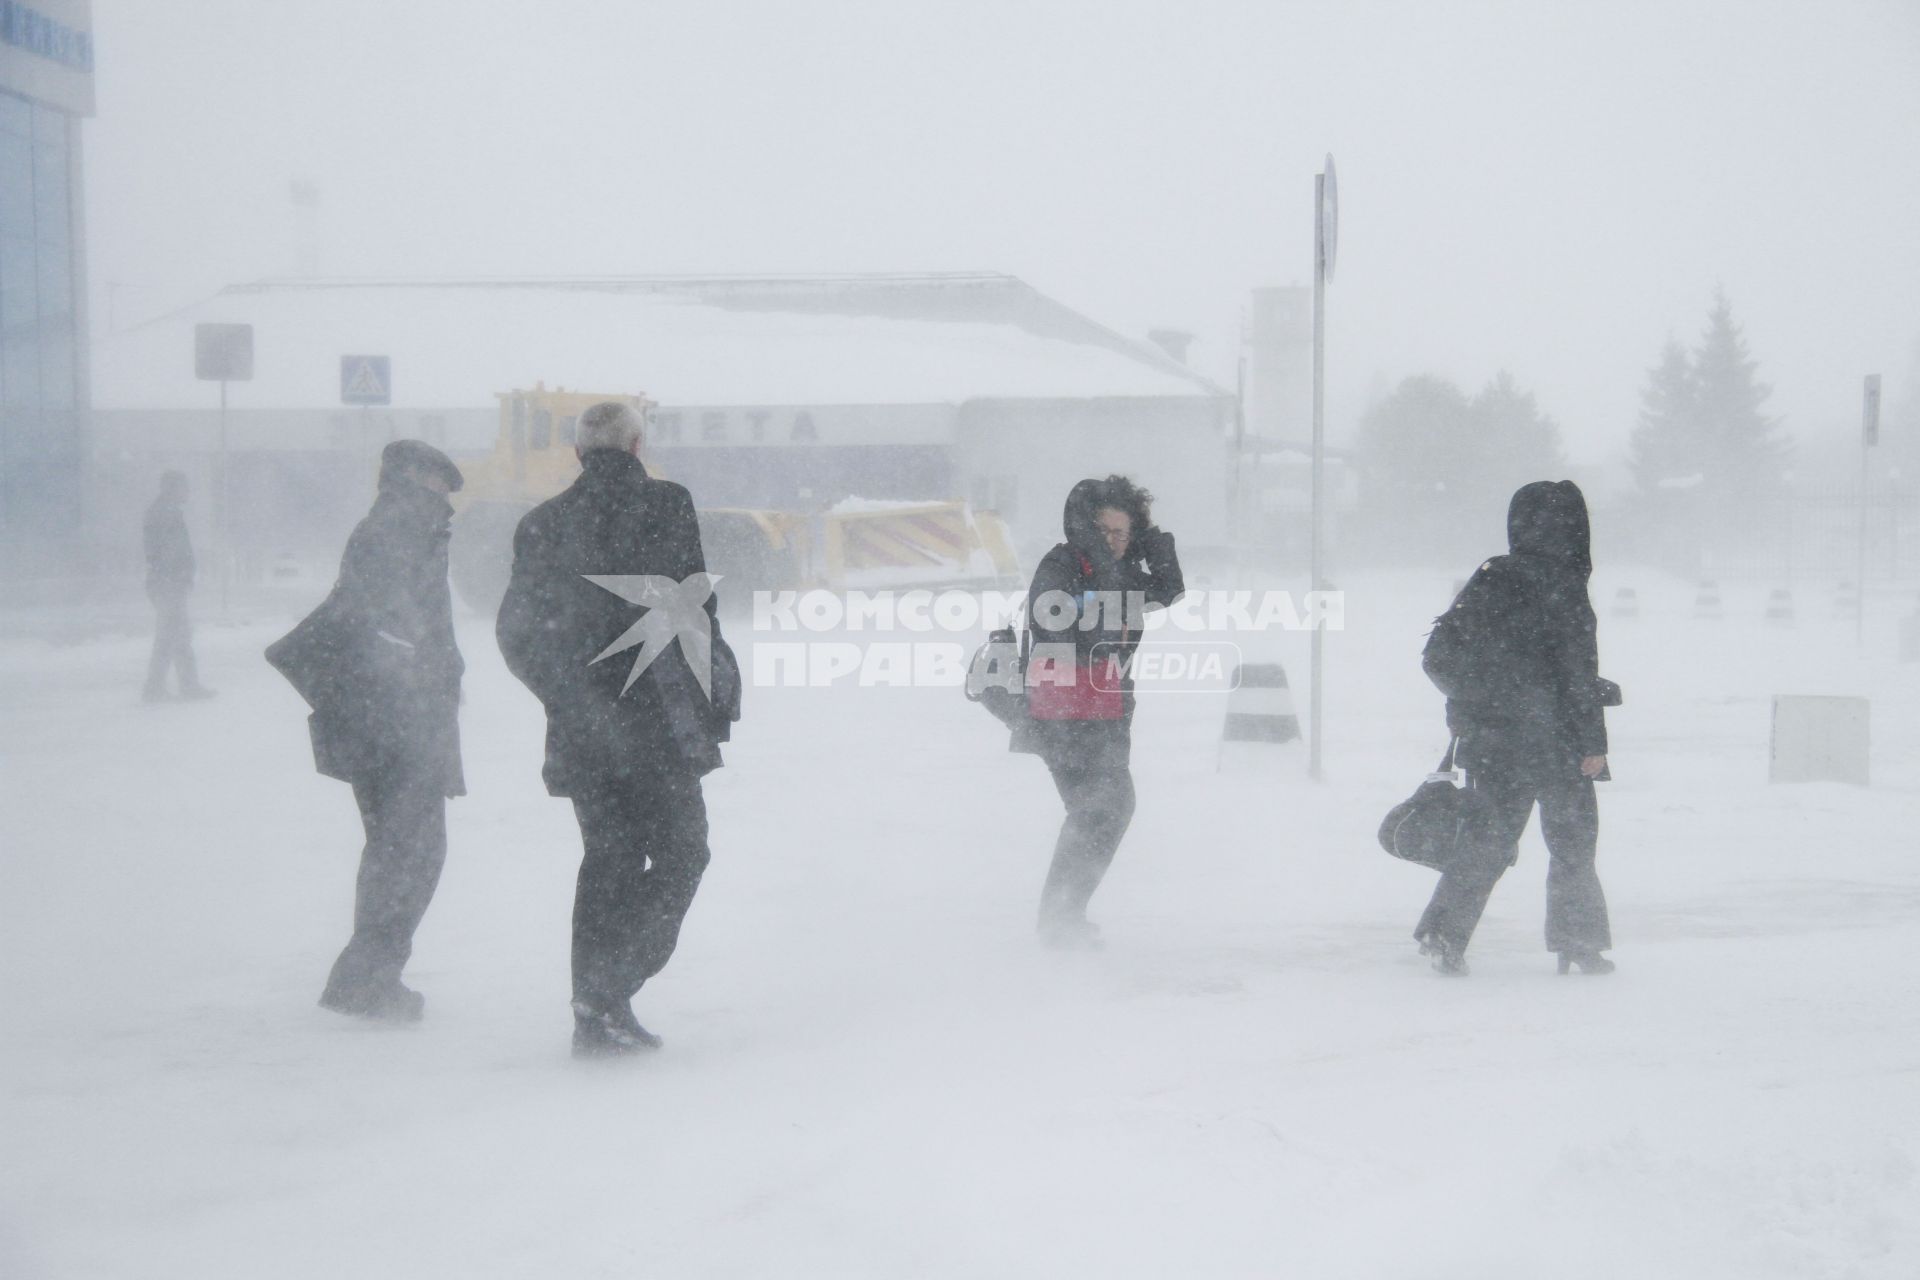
(395,1003)
(1590,962)
(1446,957)
(1070,933)
(609,1030)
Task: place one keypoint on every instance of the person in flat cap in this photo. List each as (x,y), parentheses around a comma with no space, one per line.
(377,663)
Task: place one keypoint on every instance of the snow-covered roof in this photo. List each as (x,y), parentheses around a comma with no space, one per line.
(833,340)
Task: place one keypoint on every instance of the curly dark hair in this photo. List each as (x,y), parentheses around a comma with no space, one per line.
(1122,494)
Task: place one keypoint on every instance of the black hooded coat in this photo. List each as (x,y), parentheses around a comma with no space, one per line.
(1516,653)
(377,660)
(1083,570)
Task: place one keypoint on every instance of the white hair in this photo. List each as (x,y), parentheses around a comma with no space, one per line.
(609,425)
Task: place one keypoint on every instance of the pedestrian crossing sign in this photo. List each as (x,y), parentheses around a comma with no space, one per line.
(366,380)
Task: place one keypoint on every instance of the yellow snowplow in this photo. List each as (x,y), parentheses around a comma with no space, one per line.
(866,543)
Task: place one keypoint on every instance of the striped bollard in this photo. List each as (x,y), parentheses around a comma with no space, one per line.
(1260,705)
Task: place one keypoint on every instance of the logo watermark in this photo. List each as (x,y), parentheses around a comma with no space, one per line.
(805,639)
(674,611)
(924,611)
(1158,651)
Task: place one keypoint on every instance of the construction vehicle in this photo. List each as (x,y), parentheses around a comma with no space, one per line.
(858,543)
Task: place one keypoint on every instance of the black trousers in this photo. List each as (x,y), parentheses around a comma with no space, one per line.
(646,849)
(1099,800)
(1570,822)
(405,815)
(172,641)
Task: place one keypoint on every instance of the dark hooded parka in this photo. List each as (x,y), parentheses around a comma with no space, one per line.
(1083,571)
(378,664)
(1086,601)
(1533,674)
(1528,708)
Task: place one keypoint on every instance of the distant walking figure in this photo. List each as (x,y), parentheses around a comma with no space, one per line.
(170,569)
(378,664)
(1517,658)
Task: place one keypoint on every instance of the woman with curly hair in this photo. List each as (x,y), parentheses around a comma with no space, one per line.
(1085,614)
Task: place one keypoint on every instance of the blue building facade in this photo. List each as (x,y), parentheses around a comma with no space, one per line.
(46,89)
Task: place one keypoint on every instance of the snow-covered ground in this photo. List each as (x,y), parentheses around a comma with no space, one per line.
(872,1070)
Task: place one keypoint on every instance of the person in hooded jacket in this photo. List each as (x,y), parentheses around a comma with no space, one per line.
(170,569)
(610,620)
(378,664)
(1517,656)
(1085,613)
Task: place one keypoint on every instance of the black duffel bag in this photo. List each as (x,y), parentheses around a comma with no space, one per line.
(1434,825)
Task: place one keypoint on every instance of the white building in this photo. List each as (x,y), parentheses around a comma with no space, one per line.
(791,393)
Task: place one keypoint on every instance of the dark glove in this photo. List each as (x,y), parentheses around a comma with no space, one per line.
(1153,545)
(1609,692)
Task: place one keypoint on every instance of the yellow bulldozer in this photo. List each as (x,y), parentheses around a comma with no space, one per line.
(858,543)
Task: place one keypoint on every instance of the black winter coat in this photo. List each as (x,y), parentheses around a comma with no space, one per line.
(559,632)
(1531,690)
(377,660)
(1082,570)
(169,548)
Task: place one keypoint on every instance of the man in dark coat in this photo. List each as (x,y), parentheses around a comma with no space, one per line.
(1086,605)
(169,583)
(1516,655)
(610,620)
(378,664)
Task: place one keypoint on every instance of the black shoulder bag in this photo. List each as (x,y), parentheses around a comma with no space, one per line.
(1435,824)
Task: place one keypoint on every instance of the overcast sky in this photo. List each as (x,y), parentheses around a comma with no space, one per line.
(1551,189)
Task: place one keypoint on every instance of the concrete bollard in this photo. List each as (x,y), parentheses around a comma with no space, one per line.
(1846,602)
(1260,705)
(1819,739)
(1706,601)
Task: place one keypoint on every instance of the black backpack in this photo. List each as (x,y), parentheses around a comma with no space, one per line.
(1466,650)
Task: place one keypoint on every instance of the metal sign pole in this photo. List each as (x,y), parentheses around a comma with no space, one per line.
(1869,436)
(224,495)
(1237,520)
(1317,571)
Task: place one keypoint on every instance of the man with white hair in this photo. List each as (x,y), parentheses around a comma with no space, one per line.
(610,620)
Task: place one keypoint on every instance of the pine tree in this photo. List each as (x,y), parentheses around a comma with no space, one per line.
(1518,443)
(1666,452)
(1438,467)
(1745,454)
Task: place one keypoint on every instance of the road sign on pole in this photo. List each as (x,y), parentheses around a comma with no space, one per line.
(223,353)
(366,380)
